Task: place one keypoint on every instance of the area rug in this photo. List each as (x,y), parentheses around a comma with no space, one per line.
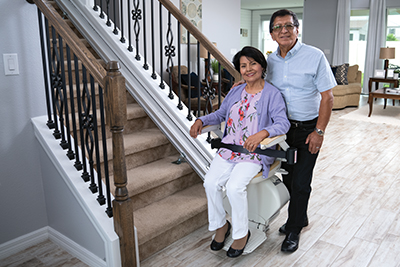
(390,115)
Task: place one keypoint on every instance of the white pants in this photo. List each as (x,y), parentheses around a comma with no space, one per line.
(235,177)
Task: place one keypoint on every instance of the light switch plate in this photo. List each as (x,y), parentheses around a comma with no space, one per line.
(11,66)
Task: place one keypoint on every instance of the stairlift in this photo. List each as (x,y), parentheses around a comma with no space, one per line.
(265,197)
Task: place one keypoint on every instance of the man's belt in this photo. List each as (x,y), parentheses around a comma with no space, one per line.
(290,155)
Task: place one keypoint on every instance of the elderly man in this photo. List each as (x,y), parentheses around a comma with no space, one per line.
(305,79)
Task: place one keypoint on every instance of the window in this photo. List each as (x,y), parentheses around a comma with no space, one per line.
(393,32)
(358,37)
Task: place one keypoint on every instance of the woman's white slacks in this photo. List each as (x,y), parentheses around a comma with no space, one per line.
(235,177)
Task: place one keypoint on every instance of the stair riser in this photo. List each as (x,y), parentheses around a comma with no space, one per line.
(155,194)
(171,235)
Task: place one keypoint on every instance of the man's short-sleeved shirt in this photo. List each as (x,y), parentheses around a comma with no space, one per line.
(301,76)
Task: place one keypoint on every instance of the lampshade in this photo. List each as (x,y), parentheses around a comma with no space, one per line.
(387,53)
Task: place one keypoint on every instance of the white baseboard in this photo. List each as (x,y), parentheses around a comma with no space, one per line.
(21,243)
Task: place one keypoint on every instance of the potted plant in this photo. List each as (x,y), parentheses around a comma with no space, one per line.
(396,70)
(214,67)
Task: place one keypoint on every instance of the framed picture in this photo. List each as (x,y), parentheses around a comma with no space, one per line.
(379,74)
(390,73)
(192,9)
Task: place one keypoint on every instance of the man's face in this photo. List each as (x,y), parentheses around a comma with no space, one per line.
(285,37)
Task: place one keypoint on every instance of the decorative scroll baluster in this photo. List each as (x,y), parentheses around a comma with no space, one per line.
(95,145)
(70,153)
(56,132)
(122,40)
(162,85)
(78,164)
(56,84)
(50,122)
(88,127)
(153,75)
(145,65)
(136,16)
(170,53)
(130,48)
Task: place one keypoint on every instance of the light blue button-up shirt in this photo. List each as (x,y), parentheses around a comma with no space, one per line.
(301,76)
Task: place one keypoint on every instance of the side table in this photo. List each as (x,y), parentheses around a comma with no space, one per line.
(375,80)
(381,93)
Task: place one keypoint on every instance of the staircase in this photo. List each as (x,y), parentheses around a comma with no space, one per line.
(168,199)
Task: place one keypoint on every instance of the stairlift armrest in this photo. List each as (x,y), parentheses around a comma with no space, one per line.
(276,140)
(216,128)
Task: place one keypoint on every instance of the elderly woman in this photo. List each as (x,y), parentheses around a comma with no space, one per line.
(252,111)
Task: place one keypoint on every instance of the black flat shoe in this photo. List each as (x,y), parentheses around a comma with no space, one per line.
(282,229)
(291,243)
(219,245)
(233,253)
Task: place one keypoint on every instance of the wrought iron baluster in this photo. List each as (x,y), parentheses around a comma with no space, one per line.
(101,10)
(153,75)
(122,40)
(70,153)
(162,85)
(95,8)
(198,81)
(145,65)
(115,31)
(189,102)
(170,53)
(60,89)
(180,106)
(56,132)
(95,129)
(50,122)
(105,155)
(108,23)
(130,48)
(136,16)
(77,164)
(88,127)
(80,98)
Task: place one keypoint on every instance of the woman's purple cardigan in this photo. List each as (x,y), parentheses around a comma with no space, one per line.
(271,112)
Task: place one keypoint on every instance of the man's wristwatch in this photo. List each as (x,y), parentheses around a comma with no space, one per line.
(319,131)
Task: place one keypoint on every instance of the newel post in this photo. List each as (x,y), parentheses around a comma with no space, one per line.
(115,99)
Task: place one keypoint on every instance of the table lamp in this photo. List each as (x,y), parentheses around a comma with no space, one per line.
(386,53)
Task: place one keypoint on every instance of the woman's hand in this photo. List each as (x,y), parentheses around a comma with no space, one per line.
(195,130)
(238,83)
(254,140)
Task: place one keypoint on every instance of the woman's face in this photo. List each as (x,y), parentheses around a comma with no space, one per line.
(250,69)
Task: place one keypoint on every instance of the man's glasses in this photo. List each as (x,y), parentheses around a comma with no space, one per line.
(278,28)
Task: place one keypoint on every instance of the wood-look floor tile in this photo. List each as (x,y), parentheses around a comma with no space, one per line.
(320,255)
(358,253)
(388,253)
(337,204)
(342,231)
(318,225)
(376,226)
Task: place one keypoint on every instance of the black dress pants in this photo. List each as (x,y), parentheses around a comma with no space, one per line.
(298,180)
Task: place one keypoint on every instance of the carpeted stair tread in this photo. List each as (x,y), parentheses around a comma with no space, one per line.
(159,217)
(135,111)
(154,174)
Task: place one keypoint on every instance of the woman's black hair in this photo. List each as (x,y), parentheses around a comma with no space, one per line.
(250,52)
(282,13)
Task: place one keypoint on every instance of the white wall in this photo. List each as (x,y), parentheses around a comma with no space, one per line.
(22,200)
(245,23)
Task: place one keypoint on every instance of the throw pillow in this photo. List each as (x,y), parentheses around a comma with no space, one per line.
(352,74)
(341,74)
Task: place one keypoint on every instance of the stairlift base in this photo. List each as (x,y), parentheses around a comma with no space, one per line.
(258,236)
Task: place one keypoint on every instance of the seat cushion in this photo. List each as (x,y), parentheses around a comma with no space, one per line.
(351,88)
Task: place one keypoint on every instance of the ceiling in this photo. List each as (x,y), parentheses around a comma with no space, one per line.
(270,4)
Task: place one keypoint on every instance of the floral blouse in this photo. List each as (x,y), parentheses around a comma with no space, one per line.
(242,123)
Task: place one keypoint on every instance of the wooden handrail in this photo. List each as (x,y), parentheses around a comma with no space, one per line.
(79,49)
(201,38)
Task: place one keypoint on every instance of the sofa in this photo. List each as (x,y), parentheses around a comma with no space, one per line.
(347,92)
